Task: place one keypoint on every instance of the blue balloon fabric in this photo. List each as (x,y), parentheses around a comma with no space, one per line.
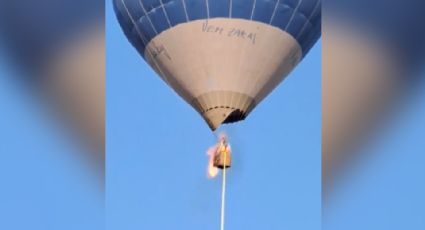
(34,29)
(300,18)
(400,23)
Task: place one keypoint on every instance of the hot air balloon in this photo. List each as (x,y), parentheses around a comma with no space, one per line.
(223,57)
(59,47)
(373,57)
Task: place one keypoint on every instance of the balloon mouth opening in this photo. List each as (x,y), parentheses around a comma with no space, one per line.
(235,116)
(223,107)
(223,115)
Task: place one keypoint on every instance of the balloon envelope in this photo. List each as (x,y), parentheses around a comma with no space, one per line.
(221,56)
(35,31)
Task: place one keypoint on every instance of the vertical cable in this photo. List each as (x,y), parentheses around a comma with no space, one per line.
(223,191)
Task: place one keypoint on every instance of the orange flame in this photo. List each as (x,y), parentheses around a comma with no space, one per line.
(211,170)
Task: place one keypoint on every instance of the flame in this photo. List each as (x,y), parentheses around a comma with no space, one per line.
(211,170)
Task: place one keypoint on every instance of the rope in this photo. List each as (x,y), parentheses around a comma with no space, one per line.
(223,191)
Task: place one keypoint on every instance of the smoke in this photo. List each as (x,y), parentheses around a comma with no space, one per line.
(211,170)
